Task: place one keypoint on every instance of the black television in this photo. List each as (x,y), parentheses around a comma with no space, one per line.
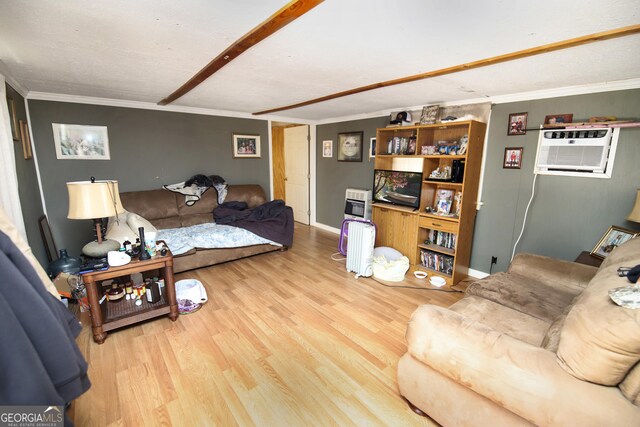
(397,187)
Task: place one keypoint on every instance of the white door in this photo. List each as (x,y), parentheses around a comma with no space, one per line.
(296,167)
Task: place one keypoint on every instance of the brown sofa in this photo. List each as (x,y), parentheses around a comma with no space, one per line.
(165,209)
(541,344)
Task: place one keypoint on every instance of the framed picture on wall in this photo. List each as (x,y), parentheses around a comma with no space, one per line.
(13,118)
(81,142)
(614,237)
(517,124)
(372,148)
(327,148)
(350,147)
(26,140)
(246,146)
(512,158)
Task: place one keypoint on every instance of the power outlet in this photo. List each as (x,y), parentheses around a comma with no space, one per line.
(494,260)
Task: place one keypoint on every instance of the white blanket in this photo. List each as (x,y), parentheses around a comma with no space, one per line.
(208,236)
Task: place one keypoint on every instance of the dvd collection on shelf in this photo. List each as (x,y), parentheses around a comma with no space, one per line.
(437,262)
(441,238)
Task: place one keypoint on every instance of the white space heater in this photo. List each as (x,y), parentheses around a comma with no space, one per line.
(362,237)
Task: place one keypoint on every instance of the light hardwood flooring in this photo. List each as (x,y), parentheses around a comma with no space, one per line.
(286,339)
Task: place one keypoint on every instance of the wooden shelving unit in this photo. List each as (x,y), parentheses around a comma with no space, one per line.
(412,231)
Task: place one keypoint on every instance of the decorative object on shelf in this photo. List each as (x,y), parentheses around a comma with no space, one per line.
(614,237)
(372,148)
(13,118)
(26,140)
(429,114)
(517,124)
(327,148)
(599,119)
(635,211)
(246,146)
(403,118)
(464,143)
(444,201)
(411,145)
(81,142)
(441,175)
(350,147)
(512,158)
(95,200)
(555,119)
(457,199)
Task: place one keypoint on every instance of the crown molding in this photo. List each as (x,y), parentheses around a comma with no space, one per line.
(11,81)
(60,97)
(504,99)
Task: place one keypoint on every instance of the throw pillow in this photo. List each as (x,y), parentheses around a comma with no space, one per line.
(135,221)
(119,230)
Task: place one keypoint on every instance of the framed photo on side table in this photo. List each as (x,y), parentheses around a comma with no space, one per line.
(350,147)
(614,237)
(246,146)
(512,158)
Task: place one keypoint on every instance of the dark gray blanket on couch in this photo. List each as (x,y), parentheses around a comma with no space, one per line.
(272,220)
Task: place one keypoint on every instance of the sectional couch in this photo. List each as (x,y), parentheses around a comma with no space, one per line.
(541,344)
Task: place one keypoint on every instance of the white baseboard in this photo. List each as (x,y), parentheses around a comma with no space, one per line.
(326,228)
(477,274)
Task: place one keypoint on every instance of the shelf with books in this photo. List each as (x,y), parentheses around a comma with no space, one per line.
(449,156)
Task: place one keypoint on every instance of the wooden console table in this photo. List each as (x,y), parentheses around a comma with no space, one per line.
(111,315)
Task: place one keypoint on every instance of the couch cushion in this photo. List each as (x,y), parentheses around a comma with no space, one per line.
(630,386)
(502,319)
(151,204)
(544,301)
(625,255)
(600,341)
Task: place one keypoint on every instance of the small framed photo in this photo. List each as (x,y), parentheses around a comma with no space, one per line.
(517,124)
(555,119)
(372,148)
(327,148)
(429,115)
(26,140)
(81,142)
(614,237)
(246,146)
(512,158)
(350,147)
(13,116)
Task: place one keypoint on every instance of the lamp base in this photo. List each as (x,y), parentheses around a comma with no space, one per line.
(99,250)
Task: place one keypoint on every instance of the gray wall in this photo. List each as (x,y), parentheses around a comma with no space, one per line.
(28,188)
(334,177)
(148,149)
(568,215)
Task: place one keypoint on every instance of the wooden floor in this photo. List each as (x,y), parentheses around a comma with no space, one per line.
(286,339)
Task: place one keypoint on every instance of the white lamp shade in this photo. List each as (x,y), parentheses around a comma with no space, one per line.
(635,212)
(91,200)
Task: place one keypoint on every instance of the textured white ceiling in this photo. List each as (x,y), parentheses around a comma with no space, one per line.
(143,50)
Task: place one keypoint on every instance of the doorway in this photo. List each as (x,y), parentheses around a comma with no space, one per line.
(290,159)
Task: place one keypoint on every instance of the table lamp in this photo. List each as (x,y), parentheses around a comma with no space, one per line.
(95,200)
(635,212)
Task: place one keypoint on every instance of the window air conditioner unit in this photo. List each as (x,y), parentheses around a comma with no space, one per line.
(576,152)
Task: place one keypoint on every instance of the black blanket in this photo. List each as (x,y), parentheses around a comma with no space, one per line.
(272,220)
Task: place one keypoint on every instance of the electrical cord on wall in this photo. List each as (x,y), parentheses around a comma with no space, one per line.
(526,211)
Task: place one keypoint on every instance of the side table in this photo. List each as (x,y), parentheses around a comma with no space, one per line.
(585,257)
(111,315)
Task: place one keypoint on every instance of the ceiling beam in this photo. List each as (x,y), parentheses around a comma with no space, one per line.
(551,47)
(289,13)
